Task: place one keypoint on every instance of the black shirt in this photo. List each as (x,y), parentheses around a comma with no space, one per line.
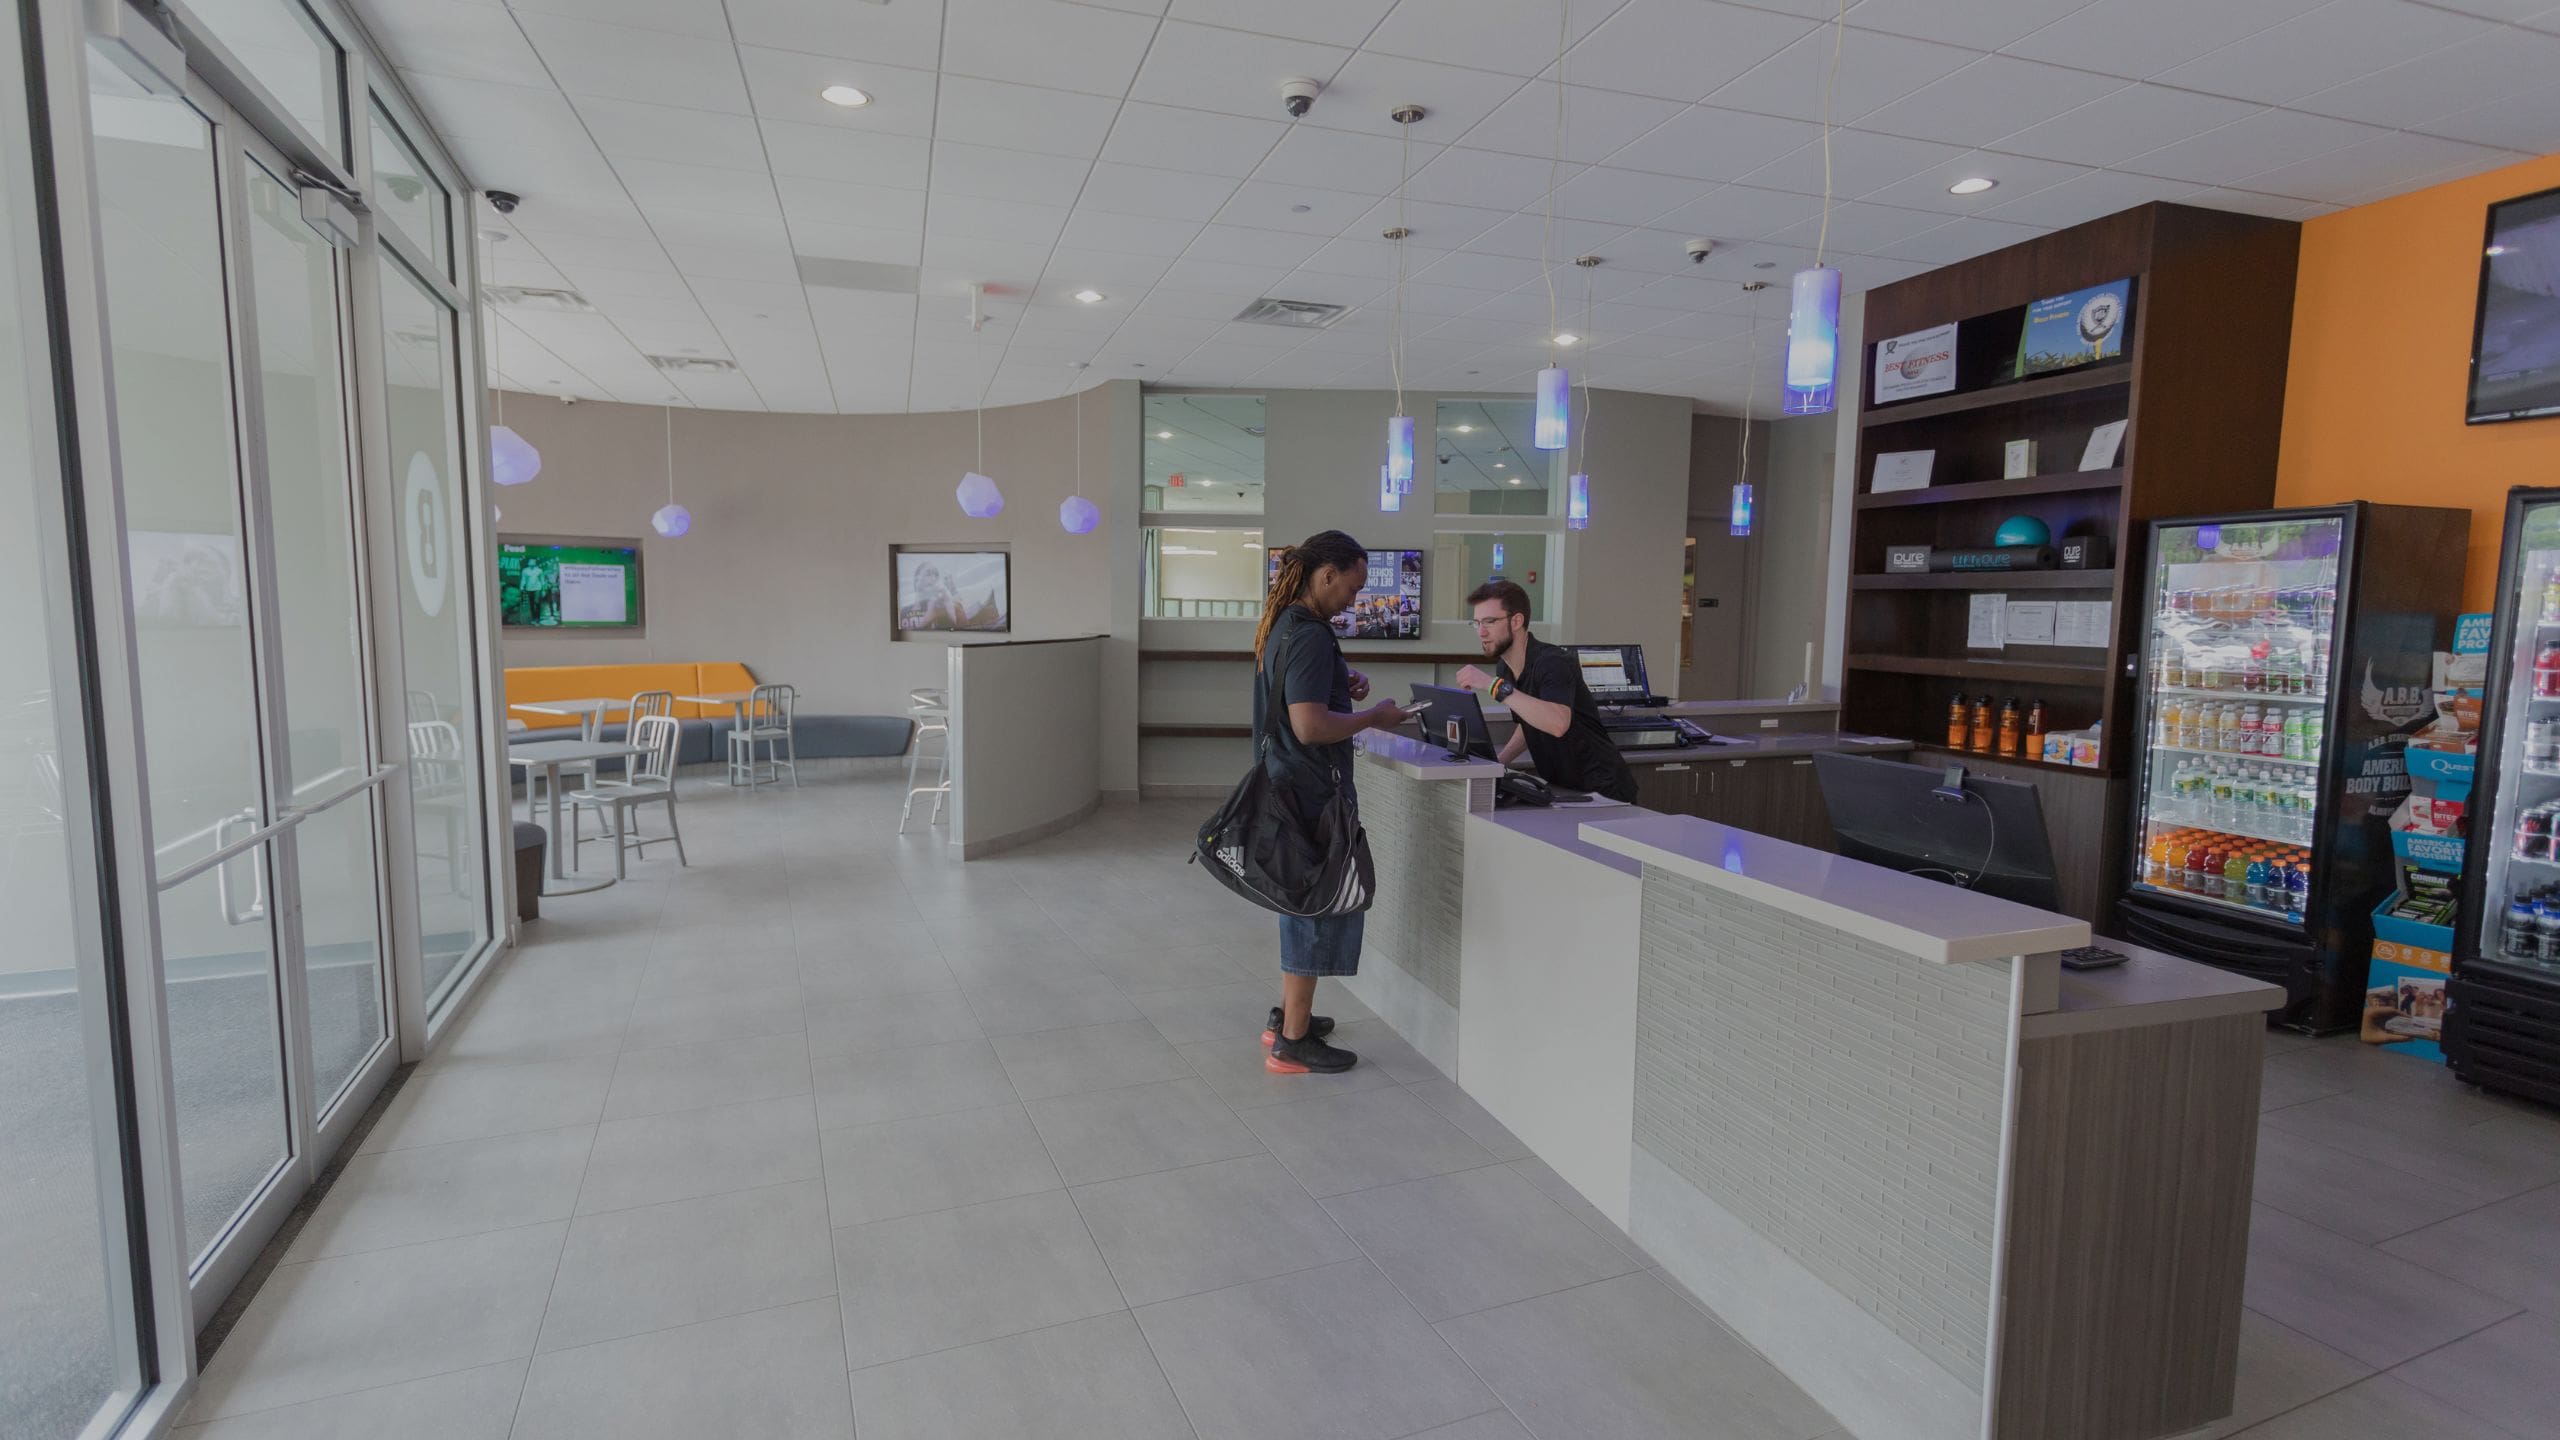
(1583,757)
(1305,654)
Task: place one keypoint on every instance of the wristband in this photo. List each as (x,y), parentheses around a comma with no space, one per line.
(1501,688)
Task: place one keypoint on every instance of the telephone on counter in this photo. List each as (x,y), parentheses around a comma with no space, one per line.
(1519,788)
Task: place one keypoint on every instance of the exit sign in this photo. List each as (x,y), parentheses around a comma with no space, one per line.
(1174,480)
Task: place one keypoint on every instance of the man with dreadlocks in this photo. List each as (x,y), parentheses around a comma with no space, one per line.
(1317,580)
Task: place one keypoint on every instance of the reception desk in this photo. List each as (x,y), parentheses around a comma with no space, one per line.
(1948,1188)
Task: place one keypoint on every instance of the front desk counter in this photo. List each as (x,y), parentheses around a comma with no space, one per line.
(1948,1188)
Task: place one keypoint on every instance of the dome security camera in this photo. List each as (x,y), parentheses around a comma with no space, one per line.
(504,201)
(1298,95)
(1699,250)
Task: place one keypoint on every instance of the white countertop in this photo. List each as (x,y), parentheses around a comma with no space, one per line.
(1922,918)
(2149,988)
(1422,761)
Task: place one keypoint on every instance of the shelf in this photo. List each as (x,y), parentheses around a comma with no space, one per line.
(1195,732)
(2090,771)
(2241,755)
(2253,697)
(2064,484)
(2043,387)
(2015,672)
(1990,580)
(2161,814)
(2217,901)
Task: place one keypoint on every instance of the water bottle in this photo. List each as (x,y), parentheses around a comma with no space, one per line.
(2516,942)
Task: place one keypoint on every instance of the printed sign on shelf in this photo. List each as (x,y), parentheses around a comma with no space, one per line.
(1920,363)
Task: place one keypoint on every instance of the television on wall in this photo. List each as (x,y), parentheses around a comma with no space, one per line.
(1389,606)
(548,583)
(2515,341)
(952,591)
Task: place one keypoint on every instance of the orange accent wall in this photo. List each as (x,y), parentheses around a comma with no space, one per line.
(2381,362)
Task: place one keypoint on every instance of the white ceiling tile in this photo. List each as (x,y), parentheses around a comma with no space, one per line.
(2138,39)
(1423,298)
(1962,240)
(1476,330)
(464,38)
(1219,277)
(2245,147)
(1856,227)
(516,264)
(1530,236)
(1006,174)
(1598,123)
(2455,78)
(1228,71)
(907,33)
(833,202)
(762,299)
(666,337)
(1246,246)
(543,212)
(659,287)
(735,262)
(675,226)
(699,187)
(1488,180)
(827,152)
(784,85)
(1155,194)
(627,63)
(1704,142)
(2384,165)
(701,19)
(857,242)
(1293,207)
(468,109)
(1333,289)
(975,217)
(1169,139)
(1742,212)
(1190,305)
(1625,197)
(1981,24)
(2529,122)
(1860,162)
(1341,160)
(2125,123)
(1023,117)
(2014,176)
(992,262)
(1089,229)
(1435,226)
(613,252)
(2338,42)
(630,130)
(1327,22)
(1368,259)
(1041,42)
(1512,37)
(1987,99)
(1680,49)
(1364,94)
(1873,71)
(2090,195)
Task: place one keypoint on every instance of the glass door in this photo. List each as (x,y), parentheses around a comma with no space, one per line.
(2519,920)
(2242,621)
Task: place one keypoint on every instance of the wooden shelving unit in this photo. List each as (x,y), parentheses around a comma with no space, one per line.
(2201,387)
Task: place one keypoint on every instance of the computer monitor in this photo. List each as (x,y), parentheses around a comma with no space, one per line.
(1613,673)
(1941,824)
(1455,719)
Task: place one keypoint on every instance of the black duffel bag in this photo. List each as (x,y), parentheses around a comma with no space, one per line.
(1263,843)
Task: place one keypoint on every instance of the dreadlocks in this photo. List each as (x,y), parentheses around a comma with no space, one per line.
(1298,566)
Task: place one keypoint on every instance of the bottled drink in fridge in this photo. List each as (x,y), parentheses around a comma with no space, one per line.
(2517,942)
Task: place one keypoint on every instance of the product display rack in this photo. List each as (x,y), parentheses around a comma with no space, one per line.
(2201,385)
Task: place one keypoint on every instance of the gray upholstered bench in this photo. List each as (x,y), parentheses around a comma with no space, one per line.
(817,737)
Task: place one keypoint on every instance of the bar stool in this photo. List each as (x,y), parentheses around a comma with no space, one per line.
(931,710)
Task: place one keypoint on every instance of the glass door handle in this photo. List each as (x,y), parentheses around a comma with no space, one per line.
(255,844)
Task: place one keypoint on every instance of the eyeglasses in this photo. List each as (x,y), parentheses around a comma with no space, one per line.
(1496,623)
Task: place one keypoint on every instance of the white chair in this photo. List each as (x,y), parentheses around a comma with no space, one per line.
(931,710)
(643,705)
(652,781)
(437,776)
(767,722)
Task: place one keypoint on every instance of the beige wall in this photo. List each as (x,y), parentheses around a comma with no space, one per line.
(1793,515)
(787,565)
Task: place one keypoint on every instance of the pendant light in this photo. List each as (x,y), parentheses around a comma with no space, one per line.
(980,499)
(1555,387)
(1390,499)
(1738,521)
(1577,486)
(1813,317)
(1076,514)
(512,458)
(672,519)
(1400,425)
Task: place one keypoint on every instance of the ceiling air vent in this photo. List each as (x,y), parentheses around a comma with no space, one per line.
(1296,314)
(535,297)
(694,364)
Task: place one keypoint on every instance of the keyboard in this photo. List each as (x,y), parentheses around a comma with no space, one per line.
(2092,957)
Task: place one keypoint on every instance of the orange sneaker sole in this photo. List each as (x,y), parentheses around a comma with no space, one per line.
(1278,1066)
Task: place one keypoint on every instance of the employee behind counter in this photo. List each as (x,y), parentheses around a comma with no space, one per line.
(1559,723)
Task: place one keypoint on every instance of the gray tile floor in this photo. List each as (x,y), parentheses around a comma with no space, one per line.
(832,1132)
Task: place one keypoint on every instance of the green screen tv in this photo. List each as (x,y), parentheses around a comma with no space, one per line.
(546,584)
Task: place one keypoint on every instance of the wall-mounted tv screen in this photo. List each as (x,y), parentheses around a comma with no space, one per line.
(2515,344)
(1390,605)
(547,584)
(965,591)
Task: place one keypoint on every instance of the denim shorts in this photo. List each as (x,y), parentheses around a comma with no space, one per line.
(1324,945)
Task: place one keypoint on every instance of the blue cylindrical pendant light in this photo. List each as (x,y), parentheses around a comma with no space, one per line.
(1400,452)
(1555,391)
(1390,498)
(1577,502)
(1740,522)
(1813,342)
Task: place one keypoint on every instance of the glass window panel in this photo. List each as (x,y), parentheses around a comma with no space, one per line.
(67,1347)
(423,423)
(1205,574)
(1204,453)
(287,51)
(406,193)
(1459,563)
(169,338)
(294,279)
(1486,465)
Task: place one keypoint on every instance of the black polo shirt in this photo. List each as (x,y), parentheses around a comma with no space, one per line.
(1583,757)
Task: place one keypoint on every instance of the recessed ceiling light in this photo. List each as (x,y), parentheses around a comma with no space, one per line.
(1568,338)
(846,96)
(1466,429)
(1497,465)
(1971,185)
(1090,297)
(1515,479)
(2497,250)
(1164,434)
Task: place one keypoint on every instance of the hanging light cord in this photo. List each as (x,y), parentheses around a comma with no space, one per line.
(1830,86)
(669,412)
(1079,404)
(1395,349)
(1750,396)
(1555,166)
(1582,432)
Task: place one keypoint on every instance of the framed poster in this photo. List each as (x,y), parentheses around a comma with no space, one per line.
(2064,332)
(1920,363)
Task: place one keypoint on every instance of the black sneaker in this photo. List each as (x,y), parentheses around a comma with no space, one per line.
(1307,1055)
(1318,1027)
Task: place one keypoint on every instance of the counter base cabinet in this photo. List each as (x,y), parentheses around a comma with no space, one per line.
(2084,821)
(1777,796)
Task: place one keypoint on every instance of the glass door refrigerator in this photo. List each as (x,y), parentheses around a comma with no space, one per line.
(2285,660)
(2502,1014)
